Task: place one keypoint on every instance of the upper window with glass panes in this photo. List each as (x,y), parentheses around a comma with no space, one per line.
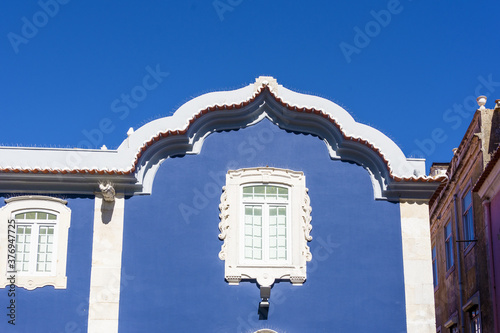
(265,225)
(35,242)
(38,231)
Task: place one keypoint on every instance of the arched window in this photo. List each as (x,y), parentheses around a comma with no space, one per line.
(33,243)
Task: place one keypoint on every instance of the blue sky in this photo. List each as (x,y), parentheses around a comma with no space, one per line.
(410,68)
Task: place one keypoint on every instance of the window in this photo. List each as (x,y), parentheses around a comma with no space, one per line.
(33,241)
(475,322)
(448,245)
(265,232)
(467,218)
(434,267)
(452,323)
(265,225)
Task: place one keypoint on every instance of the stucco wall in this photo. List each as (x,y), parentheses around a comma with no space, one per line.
(495,230)
(175,280)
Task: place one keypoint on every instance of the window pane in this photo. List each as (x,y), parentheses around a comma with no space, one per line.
(31,215)
(257,211)
(23,248)
(248,252)
(277,233)
(44,258)
(283,192)
(19,216)
(434,267)
(41,216)
(273,220)
(253,232)
(248,192)
(466,201)
(51,216)
(273,253)
(267,192)
(468,227)
(271,192)
(467,218)
(259,192)
(448,246)
(248,228)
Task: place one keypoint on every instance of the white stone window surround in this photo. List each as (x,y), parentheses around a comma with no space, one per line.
(16,205)
(231,224)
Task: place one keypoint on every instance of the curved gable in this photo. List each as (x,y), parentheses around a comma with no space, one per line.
(133,165)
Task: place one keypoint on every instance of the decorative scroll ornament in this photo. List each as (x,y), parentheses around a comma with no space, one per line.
(307,227)
(224,221)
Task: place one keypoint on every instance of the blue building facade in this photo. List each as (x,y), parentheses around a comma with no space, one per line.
(155,233)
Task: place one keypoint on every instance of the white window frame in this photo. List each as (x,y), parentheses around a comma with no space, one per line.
(265,205)
(298,224)
(32,279)
(35,228)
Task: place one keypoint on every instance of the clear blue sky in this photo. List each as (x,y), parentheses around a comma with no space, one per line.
(407,68)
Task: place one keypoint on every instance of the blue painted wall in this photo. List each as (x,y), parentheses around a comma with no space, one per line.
(59,310)
(175,280)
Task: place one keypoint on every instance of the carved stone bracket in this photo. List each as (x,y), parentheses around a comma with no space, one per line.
(107,191)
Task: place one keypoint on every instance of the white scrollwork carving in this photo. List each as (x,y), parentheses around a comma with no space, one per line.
(306,226)
(224,221)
